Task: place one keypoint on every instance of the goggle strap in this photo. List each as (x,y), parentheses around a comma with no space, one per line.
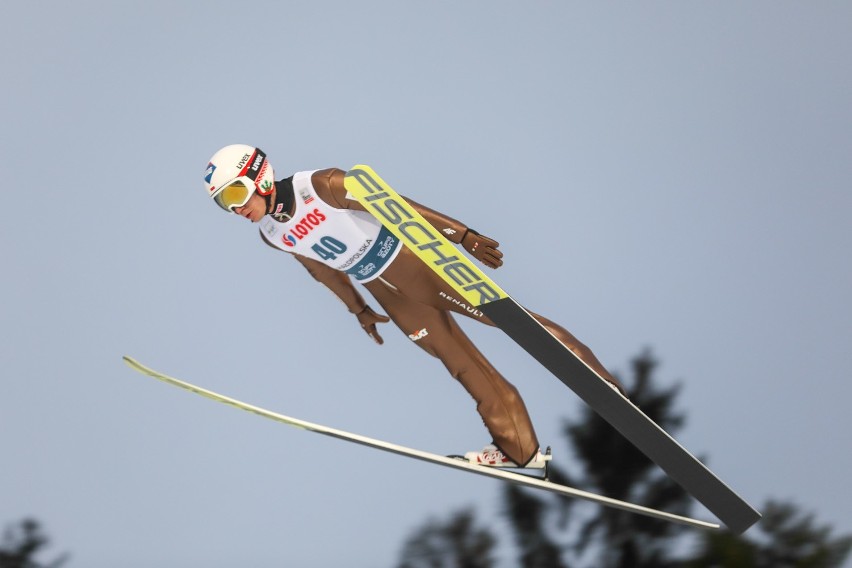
(253,171)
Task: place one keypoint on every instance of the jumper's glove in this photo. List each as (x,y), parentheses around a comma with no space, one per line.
(483,249)
(368,320)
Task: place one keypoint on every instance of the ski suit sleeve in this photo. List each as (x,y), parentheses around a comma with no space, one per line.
(483,248)
(329,184)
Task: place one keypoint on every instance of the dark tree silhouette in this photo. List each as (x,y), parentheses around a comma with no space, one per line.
(612,466)
(454,544)
(550,531)
(21,543)
(527,514)
(784,538)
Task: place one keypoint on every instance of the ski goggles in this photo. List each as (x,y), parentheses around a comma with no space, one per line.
(235,193)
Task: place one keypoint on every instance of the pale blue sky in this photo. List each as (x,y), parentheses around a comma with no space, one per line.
(664,174)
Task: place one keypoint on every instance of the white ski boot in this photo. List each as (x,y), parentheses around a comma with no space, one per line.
(491,456)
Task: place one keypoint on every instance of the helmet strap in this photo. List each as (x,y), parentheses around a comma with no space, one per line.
(270,203)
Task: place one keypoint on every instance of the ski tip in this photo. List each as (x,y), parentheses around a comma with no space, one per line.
(136,365)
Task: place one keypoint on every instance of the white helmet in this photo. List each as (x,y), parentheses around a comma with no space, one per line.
(235,173)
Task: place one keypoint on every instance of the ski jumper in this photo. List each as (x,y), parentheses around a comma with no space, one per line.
(334,238)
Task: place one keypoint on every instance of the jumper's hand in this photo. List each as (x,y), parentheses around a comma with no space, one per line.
(483,249)
(368,320)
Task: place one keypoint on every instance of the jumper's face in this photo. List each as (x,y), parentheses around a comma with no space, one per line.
(253,210)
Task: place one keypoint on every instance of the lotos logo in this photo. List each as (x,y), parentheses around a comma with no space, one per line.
(302,227)
(208,175)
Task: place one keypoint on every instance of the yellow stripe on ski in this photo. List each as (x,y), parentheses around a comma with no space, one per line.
(421,237)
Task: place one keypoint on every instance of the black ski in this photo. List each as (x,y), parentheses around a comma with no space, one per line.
(480,291)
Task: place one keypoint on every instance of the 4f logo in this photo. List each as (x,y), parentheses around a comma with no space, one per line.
(417,335)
